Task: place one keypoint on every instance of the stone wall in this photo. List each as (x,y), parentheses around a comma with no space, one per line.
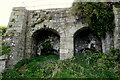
(60,21)
(24,24)
(117,28)
(107,43)
(16,35)
(3,59)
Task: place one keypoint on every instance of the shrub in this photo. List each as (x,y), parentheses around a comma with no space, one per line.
(11,74)
(99,16)
(3,30)
(100,66)
(21,63)
(10,26)
(115,51)
(5,50)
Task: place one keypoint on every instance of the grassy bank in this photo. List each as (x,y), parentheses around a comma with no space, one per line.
(83,65)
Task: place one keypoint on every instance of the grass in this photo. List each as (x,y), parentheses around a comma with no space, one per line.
(87,65)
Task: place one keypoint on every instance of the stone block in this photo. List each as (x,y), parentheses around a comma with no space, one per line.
(2,65)
(3,57)
(64,56)
(118,16)
(63,50)
(18,8)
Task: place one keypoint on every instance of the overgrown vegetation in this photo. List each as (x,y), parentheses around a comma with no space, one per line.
(42,18)
(99,16)
(40,21)
(47,48)
(10,25)
(35,14)
(84,65)
(4,50)
(50,18)
(13,20)
(2,30)
(47,45)
(90,64)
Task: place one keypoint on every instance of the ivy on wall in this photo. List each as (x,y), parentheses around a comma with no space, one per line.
(99,15)
(3,30)
(4,50)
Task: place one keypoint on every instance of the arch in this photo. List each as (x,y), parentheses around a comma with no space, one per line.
(84,38)
(45,41)
(80,30)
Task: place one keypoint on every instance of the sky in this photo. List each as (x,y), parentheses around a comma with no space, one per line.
(7,5)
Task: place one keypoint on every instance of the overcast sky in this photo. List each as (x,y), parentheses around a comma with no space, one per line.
(7,5)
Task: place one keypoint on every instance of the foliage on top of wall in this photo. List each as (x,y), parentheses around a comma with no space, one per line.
(117,4)
(99,15)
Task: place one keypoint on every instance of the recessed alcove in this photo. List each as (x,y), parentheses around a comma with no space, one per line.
(84,39)
(45,41)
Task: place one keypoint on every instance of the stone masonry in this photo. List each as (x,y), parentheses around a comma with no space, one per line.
(27,29)
(117,28)
(26,23)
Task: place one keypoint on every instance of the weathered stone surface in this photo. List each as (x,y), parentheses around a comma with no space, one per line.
(117,28)
(17,39)
(107,43)
(26,29)
(2,66)
(3,59)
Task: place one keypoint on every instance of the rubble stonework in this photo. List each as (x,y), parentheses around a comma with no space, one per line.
(28,27)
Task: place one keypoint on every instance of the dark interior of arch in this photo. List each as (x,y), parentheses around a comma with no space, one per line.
(84,39)
(45,42)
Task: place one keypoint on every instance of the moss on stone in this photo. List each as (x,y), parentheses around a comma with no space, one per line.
(10,25)
(47,12)
(40,21)
(13,20)
(50,18)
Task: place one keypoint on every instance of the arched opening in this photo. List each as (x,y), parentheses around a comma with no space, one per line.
(84,39)
(45,41)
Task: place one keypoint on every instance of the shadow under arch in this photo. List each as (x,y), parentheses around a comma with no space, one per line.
(45,41)
(85,39)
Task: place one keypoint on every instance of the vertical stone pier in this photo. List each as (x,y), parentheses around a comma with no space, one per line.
(66,47)
(117,28)
(16,34)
